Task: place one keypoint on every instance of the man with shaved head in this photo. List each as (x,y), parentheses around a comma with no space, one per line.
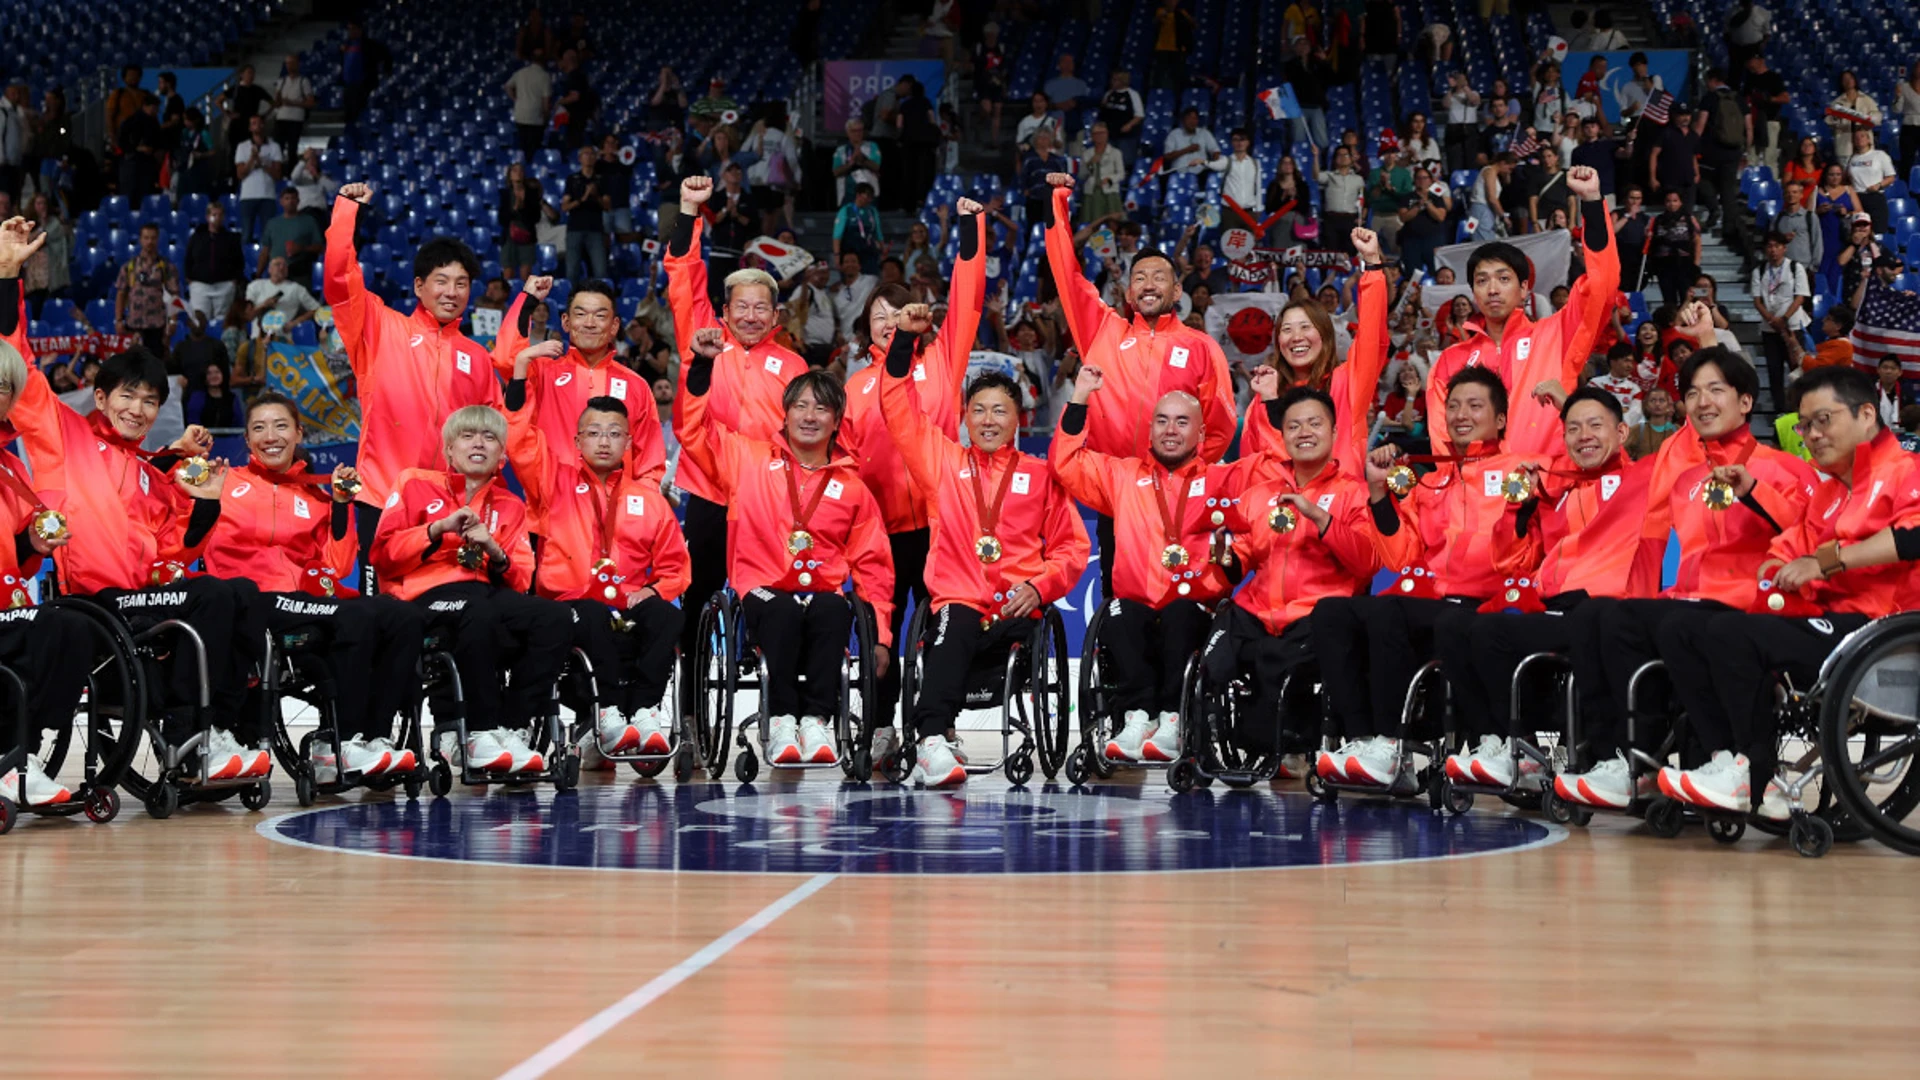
(1165,507)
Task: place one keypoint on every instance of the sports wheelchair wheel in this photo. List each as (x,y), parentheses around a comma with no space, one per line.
(1094,700)
(1869,699)
(716,674)
(859,695)
(1050,686)
(1726,830)
(112,714)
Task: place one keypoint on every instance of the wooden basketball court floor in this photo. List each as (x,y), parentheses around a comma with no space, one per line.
(792,928)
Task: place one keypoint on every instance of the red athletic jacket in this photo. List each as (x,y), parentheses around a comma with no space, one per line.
(408,565)
(1294,570)
(1447,523)
(560,388)
(16,513)
(1885,492)
(1354,384)
(1530,353)
(569,508)
(1721,550)
(747,382)
(939,375)
(273,529)
(752,478)
(411,372)
(1143,361)
(1586,534)
(1042,540)
(1137,492)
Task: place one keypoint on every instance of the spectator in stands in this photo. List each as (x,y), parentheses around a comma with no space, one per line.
(814,315)
(1721,124)
(1310,73)
(1381,31)
(16,130)
(1674,164)
(124,100)
(215,263)
(1546,98)
(1242,186)
(1498,133)
(919,124)
(1122,111)
(315,188)
(1173,34)
(1424,222)
(1390,189)
(1630,222)
(667,105)
(857,233)
(242,102)
(924,244)
(52,140)
(731,222)
(1707,291)
(139,302)
(1673,251)
(850,295)
(1851,101)
(640,350)
(1870,173)
(292,236)
(882,114)
(990,77)
(1566,139)
(855,162)
(531,91)
(577,98)
(1487,206)
(292,97)
(359,69)
(1748,26)
(141,145)
(1838,208)
(1462,103)
(712,108)
(1634,94)
(1834,350)
(1419,141)
(1342,191)
(717,149)
(1549,191)
(775,174)
(585,206)
(1034,169)
(615,180)
(1103,173)
(1800,225)
(1906,98)
(1287,197)
(279,292)
(1766,93)
(1068,93)
(1202,271)
(1860,251)
(523,206)
(1656,426)
(1040,118)
(1191,148)
(257,163)
(1619,380)
(214,404)
(49,271)
(1781,294)
(1599,151)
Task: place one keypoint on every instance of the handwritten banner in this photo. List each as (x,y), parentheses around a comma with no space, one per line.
(327,410)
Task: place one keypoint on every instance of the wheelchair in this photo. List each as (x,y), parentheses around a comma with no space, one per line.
(1089,760)
(579,691)
(111,715)
(1423,735)
(296,671)
(1546,750)
(1866,704)
(1210,714)
(727,661)
(547,734)
(1027,681)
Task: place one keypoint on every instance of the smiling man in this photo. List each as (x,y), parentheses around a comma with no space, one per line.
(413,370)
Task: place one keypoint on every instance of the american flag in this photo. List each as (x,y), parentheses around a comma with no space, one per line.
(1524,145)
(1888,325)
(1658,107)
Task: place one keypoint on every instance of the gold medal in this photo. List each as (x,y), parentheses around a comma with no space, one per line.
(988,548)
(1400,480)
(1218,518)
(349,487)
(1717,494)
(805,579)
(1173,557)
(798,541)
(1516,488)
(1282,519)
(327,584)
(19,599)
(1776,602)
(987,621)
(195,470)
(166,573)
(50,525)
(471,556)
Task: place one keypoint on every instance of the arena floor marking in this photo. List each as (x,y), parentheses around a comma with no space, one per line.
(811,827)
(559,1050)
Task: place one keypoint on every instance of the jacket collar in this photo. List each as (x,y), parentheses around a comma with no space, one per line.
(1735,446)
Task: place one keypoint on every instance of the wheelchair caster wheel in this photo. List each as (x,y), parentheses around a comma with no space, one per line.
(1665,818)
(163,800)
(303,789)
(1019,768)
(861,768)
(1812,837)
(1103,767)
(256,797)
(566,773)
(897,765)
(1078,767)
(1318,787)
(9,813)
(1726,832)
(683,764)
(1553,807)
(411,785)
(102,805)
(746,767)
(1183,776)
(1453,799)
(440,780)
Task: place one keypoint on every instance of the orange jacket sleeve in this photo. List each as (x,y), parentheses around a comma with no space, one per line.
(1515,555)
(1066,547)
(921,444)
(508,343)
(1352,538)
(966,298)
(672,571)
(1087,475)
(356,309)
(1079,300)
(1216,404)
(687,293)
(513,539)
(870,561)
(1404,546)
(710,446)
(1589,303)
(533,464)
(1785,498)
(339,552)
(1367,359)
(399,544)
(649,449)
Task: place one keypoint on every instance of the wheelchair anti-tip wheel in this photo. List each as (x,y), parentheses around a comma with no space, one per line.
(1810,836)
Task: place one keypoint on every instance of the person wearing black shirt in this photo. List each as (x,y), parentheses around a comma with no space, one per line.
(1601,154)
(732,223)
(585,206)
(1310,73)
(1675,162)
(1766,92)
(245,101)
(616,183)
(215,265)
(919,140)
(141,142)
(577,96)
(1123,113)
(1720,162)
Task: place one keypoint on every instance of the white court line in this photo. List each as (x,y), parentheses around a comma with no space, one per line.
(564,1047)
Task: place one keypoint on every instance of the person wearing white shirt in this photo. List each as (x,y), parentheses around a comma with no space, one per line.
(1191,148)
(850,295)
(531,90)
(1634,94)
(822,327)
(1781,294)
(1870,171)
(1243,182)
(1906,98)
(276,293)
(1852,100)
(315,187)
(292,97)
(14,133)
(1042,116)
(1419,140)
(257,162)
(1463,121)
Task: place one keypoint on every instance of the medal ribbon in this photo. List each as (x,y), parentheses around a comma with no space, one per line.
(605,513)
(20,487)
(288,478)
(1439,459)
(989,514)
(1170,520)
(103,430)
(800,516)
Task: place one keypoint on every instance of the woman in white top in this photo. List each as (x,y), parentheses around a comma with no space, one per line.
(1906,99)
(1340,194)
(775,174)
(1419,140)
(1853,100)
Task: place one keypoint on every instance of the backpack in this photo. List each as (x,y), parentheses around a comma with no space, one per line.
(1727,123)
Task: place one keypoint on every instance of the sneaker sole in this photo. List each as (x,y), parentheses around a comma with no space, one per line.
(228,771)
(957,775)
(1150,752)
(1328,768)
(1711,802)
(1357,773)
(1463,775)
(656,743)
(1594,798)
(1486,776)
(1115,753)
(789,756)
(824,756)
(405,764)
(498,764)
(1669,788)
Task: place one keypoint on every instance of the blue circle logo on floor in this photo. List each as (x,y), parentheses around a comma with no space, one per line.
(808,829)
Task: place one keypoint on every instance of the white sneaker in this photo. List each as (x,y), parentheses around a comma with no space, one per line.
(616,735)
(322,761)
(1126,746)
(403,759)
(936,765)
(488,752)
(591,759)
(651,726)
(1773,803)
(1292,767)
(783,742)
(1332,764)
(42,790)
(1376,761)
(816,747)
(1492,764)
(255,760)
(1164,745)
(1725,783)
(525,757)
(1603,785)
(448,745)
(361,757)
(226,759)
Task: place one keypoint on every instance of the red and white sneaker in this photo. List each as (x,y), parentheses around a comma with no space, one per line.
(226,758)
(41,789)
(615,735)
(1376,761)
(651,725)
(936,765)
(364,758)
(1128,744)
(1332,764)
(1164,743)
(816,746)
(783,741)
(487,751)
(403,759)
(1725,783)
(1292,767)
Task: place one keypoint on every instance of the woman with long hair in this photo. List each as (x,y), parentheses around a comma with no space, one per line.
(1805,167)
(1852,101)
(1835,204)
(522,208)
